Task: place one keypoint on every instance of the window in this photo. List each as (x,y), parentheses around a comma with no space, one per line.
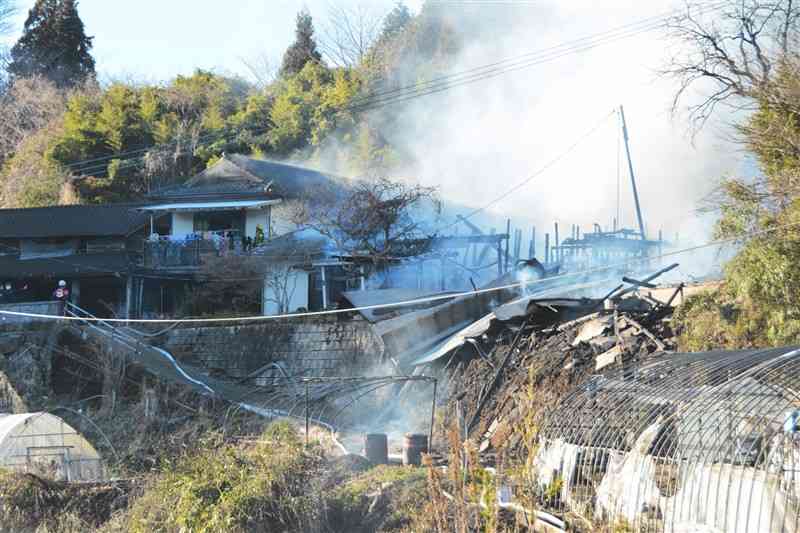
(219,221)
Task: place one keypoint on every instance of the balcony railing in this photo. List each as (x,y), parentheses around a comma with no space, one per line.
(189,252)
(159,254)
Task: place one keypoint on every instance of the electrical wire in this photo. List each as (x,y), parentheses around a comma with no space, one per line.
(442,83)
(403,303)
(552,162)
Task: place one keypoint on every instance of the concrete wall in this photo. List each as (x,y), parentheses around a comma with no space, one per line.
(315,346)
(182,223)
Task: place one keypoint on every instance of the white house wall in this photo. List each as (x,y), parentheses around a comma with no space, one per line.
(281,218)
(253,218)
(182,223)
(298,289)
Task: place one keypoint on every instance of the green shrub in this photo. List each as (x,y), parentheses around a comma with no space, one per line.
(266,486)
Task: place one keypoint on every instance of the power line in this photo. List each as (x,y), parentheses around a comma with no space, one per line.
(646,24)
(442,83)
(404,303)
(533,176)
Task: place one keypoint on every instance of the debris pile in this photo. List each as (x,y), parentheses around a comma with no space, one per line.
(520,366)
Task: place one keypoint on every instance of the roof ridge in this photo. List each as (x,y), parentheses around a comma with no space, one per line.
(240,167)
(298,166)
(72,206)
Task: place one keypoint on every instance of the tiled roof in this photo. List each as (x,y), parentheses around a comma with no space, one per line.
(237,174)
(71,221)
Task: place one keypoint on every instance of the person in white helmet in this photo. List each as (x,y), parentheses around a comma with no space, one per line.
(62,292)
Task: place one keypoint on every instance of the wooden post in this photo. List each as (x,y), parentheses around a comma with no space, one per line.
(533,242)
(546,248)
(556,249)
(128,296)
(433,417)
(140,298)
(499,258)
(508,242)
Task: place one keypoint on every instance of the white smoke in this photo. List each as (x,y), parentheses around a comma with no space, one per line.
(477,141)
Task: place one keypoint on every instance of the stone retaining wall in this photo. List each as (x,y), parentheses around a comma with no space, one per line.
(11,322)
(314,346)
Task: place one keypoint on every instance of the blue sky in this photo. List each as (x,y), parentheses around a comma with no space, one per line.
(155,40)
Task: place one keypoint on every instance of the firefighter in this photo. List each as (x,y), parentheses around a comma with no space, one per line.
(62,292)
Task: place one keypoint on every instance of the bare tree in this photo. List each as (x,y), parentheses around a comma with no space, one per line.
(7,11)
(380,218)
(5,60)
(349,34)
(263,71)
(28,106)
(732,48)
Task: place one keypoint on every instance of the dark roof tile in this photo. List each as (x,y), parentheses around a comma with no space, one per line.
(238,174)
(71,221)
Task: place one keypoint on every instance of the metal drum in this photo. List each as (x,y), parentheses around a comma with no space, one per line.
(414,445)
(376,448)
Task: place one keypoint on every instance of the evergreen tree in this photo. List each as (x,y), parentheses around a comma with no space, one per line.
(396,21)
(53,45)
(303,49)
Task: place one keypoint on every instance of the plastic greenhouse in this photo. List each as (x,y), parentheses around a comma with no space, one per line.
(46,445)
(690,442)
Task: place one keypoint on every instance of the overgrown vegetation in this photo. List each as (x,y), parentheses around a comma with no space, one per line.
(749,52)
(116,142)
(29,503)
(263,486)
(384,498)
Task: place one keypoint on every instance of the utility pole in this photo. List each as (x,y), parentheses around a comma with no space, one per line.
(633,179)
